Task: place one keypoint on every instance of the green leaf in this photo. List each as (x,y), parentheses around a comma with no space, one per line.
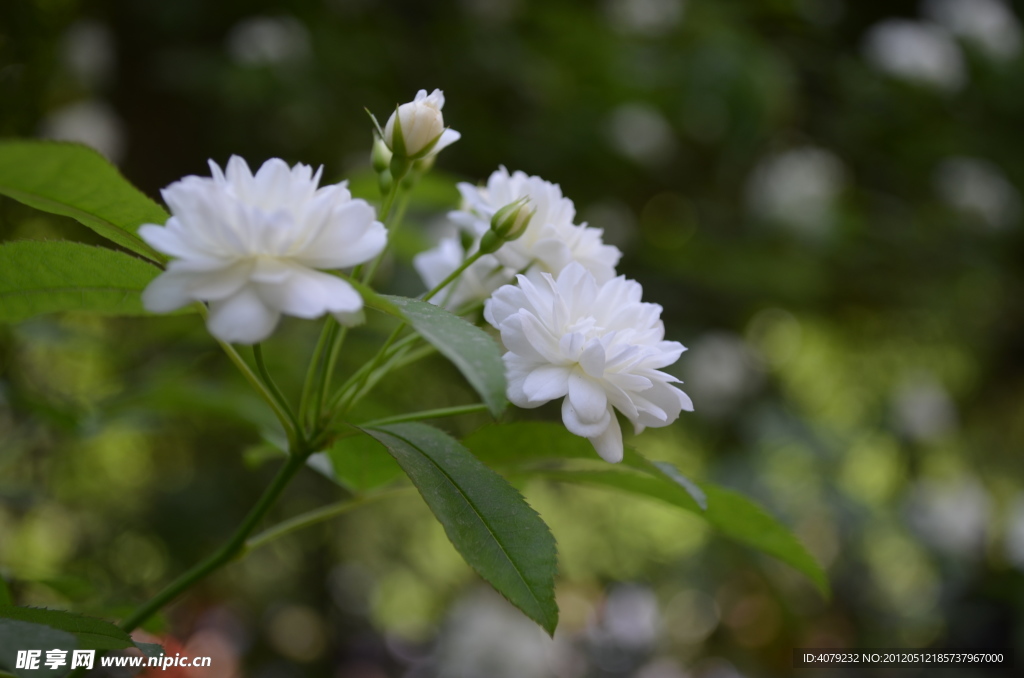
(468,347)
(472,351)
(522,443)
(75,181)
(361,464)
(728,511)
(90,633)
(374,300)
(38,276)
(20,635)
(534,444)
(675,475)
(5,593)
(486,519)
(502,445)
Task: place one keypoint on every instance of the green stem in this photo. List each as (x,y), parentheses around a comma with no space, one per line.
(328,376)
(389,200)
(313,517)
(257,353)
(427,414)
(312,374)
(385,210)
(225,553)
(452,276)
(355,381)
(398,359)
(255,382)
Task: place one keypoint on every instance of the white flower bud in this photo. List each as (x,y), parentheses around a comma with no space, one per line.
(416,129)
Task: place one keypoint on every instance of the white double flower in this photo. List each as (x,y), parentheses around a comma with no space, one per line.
(552,241)
(250,245)
(594,344)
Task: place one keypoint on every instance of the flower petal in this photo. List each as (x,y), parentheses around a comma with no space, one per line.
(310,294)
(587,397)
(351,236)
(609,442)
(581,427)
(242,318)
(545,383)
(167,292)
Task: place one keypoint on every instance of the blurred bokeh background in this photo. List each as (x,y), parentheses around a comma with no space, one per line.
(824,195)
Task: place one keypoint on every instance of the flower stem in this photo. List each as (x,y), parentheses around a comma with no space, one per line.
(385,209)
(312,373)
(427,414)
(282,414)
(312,517)
(332,360)
(452,276)
(234,546)
(257,353)
(261,388)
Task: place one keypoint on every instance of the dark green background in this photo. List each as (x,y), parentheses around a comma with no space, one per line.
(129,449)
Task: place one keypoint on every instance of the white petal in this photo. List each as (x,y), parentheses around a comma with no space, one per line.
(215,284)
(448,137)
(351,236)
(534,337)
(271,270)
(587,397)
(242,319)
(516,371)
(592,359)
(309,294)
(546,383)
(168,240)
(580,427)
(272,183)
(609,442)
(660,405)
(167,292)
(239,175)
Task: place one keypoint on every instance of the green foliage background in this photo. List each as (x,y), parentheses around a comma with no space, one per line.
(130,448)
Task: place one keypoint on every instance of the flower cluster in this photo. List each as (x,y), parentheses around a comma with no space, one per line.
(571,329)
(255,246)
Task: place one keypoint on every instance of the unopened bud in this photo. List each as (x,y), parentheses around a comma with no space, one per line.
(416,130)
(380,157)
(490,242)
(415,127)
(384,181)
(511,221)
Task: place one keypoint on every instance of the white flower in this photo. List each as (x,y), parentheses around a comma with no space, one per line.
(476,283)
(595,344)
(249,245)
(422,123)
(551,241)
